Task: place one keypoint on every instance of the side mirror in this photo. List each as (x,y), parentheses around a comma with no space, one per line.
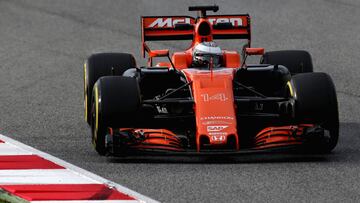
(159,53)
(254,51)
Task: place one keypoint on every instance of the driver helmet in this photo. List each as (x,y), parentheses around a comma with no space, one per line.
(204,52)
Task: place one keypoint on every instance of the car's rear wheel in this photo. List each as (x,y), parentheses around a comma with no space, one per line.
(115,103)
(296,61)
(103,64)
(316,103)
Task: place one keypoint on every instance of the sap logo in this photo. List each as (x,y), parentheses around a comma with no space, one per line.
(234,21)
(168,22)
(216,128)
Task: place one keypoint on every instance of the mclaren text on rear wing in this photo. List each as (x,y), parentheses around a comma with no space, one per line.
(182,27)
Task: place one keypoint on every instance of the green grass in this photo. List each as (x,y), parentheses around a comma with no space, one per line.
(6,197)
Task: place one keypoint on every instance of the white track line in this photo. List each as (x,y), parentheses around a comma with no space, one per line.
(43,176)
(77,170)
(11,149)
(87,201)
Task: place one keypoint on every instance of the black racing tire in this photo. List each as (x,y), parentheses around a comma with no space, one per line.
(296,61)
(115,103)
(316,102)
(103,64)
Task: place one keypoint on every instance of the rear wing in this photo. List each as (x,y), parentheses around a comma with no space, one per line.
(163,28)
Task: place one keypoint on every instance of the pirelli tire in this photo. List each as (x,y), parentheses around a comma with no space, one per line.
(296,61)
(103,64)
(115,103)
(316,102)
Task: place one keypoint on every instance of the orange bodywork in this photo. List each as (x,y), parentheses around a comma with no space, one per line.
(182,60)
(231,59)
(281,136)
(160,139)
(214,105)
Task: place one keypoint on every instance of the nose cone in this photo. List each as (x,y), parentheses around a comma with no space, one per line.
(214,106)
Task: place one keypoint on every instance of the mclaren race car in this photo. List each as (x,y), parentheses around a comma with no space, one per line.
(207,100)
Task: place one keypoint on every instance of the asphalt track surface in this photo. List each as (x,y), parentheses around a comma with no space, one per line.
(43,45)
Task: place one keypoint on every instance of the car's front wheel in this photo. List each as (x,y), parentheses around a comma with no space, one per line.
(115,103)
(316,103)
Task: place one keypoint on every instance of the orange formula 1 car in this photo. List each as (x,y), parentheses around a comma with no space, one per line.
(207,100)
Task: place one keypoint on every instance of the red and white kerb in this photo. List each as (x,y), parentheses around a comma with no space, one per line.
(39,177)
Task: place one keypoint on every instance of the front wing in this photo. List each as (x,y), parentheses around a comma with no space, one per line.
(132,141)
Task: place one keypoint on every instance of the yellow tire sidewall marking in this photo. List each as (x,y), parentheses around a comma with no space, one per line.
(96,108)
(96,95)
(290,89)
